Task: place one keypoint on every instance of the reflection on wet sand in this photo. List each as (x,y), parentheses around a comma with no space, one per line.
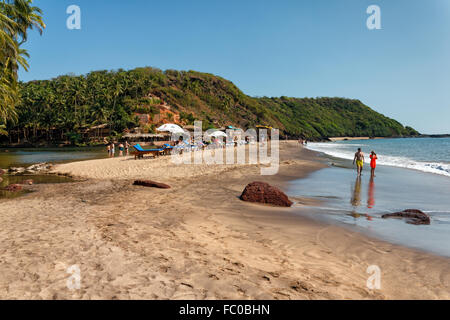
(371,195)
(356,193)
(19,179)
(356,198)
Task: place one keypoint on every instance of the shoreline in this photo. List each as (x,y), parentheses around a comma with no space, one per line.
(402,161)
(195,241)
(333,139)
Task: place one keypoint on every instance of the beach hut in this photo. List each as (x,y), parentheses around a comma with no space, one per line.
(260,131)
(148,138)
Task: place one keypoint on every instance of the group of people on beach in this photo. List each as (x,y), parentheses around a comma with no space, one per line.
(356,191)
(359,160)
(124,149)
(303,142)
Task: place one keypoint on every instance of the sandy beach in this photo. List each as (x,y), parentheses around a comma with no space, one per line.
(197,240)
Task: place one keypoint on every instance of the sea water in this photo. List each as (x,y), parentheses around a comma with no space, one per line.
(411,174)
(430,155)
(27,156)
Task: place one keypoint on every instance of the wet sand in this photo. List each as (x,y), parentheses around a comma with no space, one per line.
(196,240)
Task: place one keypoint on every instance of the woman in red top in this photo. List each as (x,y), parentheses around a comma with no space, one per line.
(373,162)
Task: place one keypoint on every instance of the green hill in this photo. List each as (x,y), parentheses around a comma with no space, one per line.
(62,108)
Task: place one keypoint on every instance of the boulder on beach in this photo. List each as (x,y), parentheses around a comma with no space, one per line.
(413,216)
(151,184)
(13,188)
(262,192)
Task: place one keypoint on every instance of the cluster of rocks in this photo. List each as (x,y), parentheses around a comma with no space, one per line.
(33,169)
(13,188)
(261,192)
(18,186)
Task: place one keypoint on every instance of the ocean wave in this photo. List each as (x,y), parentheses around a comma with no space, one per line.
(340,151)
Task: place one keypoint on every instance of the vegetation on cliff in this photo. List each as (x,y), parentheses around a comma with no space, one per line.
(62,108)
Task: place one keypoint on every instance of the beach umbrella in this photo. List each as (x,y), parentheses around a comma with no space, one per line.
(218,134)
(170,127)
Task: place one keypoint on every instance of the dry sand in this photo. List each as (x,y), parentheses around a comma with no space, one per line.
(194,241)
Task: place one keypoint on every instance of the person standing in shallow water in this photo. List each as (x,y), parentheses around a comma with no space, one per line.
(373,163)
(359,159)
(121,149)
(127,148)
(113,149)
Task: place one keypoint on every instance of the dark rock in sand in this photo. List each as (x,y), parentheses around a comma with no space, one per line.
(13,188)
(33,169)
(151,184)
(39,167)
(14,170)
(413,216)
(262,192)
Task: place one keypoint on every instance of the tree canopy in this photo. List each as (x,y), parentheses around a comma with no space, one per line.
(17,17)
(63,107)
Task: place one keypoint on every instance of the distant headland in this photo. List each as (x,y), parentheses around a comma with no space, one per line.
(82,110)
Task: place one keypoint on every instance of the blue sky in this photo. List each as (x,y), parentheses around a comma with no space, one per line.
(301,48)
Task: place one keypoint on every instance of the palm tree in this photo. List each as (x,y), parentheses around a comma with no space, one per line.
(3,130)
(16,18)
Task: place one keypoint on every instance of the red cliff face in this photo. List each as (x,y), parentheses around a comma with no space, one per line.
(164,115)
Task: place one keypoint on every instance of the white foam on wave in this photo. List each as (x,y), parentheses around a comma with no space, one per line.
(341,151)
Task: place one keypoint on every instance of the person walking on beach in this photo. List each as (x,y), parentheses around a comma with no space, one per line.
(359,159)
(108,148)
(373,163)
